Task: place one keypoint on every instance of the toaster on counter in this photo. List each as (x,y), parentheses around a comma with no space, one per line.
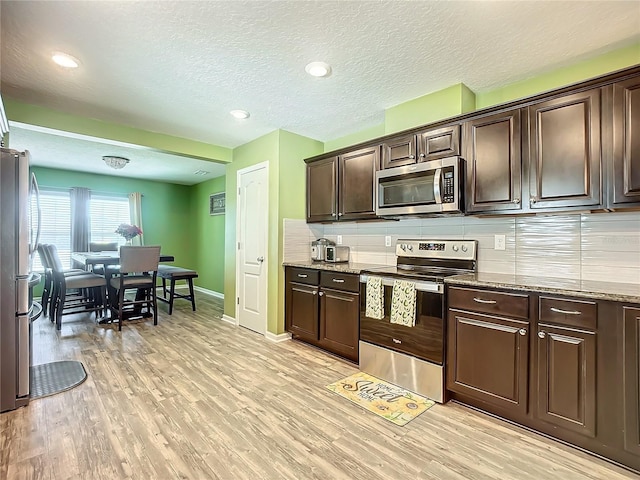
(336,253)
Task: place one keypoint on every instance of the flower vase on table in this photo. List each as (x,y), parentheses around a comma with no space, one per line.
(129,232)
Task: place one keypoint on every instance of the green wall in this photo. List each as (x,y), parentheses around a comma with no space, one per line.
(44,117)
(208,235)
(166,207)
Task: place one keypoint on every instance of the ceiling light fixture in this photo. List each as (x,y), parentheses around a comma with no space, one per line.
(318,69)
(240,114)
(201,172)
(65,60)
(114,162)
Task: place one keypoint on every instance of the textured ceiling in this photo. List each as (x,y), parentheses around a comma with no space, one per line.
(179,67)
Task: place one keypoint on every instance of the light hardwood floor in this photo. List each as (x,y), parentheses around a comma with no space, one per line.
(198,398)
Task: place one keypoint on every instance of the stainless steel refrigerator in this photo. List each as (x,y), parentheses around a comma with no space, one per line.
(16,305)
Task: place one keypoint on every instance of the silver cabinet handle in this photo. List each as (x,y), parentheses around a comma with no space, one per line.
(542,334)
(260,259)
(302,275)
(412,157)
(320,294)
(480,300)
(516,200)
(395,340)
(522,331)
(314,292)
(565,312)
(533,200)
(422,155)
(337,280)
(340,214)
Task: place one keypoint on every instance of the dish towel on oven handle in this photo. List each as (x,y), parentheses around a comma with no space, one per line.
(375,298)
(403,303)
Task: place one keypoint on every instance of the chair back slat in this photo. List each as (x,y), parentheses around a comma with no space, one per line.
(54,258)
(44,258)
(139,259)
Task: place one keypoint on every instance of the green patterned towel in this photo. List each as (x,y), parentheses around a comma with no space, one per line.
(403,303)
(375,298)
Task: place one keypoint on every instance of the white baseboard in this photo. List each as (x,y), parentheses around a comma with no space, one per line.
(228,319)
(282,337)
(213,293)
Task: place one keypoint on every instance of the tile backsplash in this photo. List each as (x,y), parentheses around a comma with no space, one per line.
(599,246)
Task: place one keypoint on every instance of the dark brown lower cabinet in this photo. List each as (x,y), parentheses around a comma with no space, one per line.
(631,359)
(322,308)
(566,374)
(338,331)
(488,359)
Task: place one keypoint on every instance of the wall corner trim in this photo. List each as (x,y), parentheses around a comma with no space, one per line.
(228,319)
(277,338)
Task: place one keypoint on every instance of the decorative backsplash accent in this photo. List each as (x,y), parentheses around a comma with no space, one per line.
(599,246)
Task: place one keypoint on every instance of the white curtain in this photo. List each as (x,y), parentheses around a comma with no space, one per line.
(135,212)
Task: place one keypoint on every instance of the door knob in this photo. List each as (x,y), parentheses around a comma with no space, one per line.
(260,259)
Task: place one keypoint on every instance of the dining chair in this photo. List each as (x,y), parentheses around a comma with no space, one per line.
(74,292)
(49,287)
(138,271)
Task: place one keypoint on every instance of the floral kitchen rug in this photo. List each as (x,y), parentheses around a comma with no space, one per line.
(396,404)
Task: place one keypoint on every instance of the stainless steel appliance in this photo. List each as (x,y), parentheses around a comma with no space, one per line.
(16,309)
(422,188)
(413,357)
(318,249)
(336,253)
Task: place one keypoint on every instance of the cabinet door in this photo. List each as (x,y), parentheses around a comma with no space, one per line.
(493,155)
(631,369)
(399,151)
(488,359)
(564,152)
(357,179)
(566,373)
(626,142)
(439,143)
(339,321)
(322,194)
(302,310)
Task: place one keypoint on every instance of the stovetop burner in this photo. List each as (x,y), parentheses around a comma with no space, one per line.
(431,260)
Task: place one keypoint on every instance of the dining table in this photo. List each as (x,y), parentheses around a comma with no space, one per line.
(89,260)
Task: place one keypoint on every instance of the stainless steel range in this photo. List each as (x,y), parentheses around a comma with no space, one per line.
(413,357)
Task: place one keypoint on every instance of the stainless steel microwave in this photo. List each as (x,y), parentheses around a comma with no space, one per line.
(422,188)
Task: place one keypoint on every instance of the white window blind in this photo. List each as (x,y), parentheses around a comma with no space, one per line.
(56,225)
(107,212)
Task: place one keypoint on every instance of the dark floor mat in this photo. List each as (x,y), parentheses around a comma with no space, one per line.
(50,378)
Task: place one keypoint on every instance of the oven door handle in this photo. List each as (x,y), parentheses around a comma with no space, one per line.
(420,286)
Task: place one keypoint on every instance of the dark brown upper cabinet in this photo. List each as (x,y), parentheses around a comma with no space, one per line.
(322,190)
(565,161)
(424,146)
(626,143)
(342,187)
(492,149)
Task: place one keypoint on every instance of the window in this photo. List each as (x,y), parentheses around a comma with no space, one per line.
(56,225)
(107,212)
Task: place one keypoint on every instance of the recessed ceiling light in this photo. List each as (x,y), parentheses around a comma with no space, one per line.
(318,69)
(65,60)
(240,114)
(201,172)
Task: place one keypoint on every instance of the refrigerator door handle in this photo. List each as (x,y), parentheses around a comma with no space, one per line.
(36,191)
(23,253)
(23,326)
(22,296)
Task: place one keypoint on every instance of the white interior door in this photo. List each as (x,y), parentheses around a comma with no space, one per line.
(251,230)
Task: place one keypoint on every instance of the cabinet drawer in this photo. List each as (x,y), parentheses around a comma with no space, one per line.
(572,313)
(484,301)
(304,275)
(340,281)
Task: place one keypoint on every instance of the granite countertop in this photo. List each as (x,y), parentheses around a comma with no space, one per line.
(615,292)
(349,267)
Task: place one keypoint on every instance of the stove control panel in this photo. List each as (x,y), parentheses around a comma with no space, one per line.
(446,249)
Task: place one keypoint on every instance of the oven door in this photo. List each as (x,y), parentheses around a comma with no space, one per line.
(427,187)
(425,340)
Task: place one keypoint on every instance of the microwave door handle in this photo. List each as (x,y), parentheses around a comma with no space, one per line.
(436,186)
